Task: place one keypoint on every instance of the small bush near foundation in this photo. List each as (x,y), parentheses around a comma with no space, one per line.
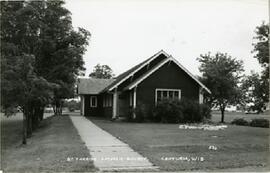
(240,121)
(205,111)
(191,112)
(129,115)
(141,112)
(168,111)
(260,122)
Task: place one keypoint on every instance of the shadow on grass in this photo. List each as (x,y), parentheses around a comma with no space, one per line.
(47,150)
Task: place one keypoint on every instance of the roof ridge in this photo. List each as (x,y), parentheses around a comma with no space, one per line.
(140,63)
(123,76)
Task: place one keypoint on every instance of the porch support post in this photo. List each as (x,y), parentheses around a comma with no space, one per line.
(134,101)
(115,104)
(200,95)
(82,105)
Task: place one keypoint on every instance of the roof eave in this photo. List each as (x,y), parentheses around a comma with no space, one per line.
(170,58)
(118,83)
(191,75)
(131,86)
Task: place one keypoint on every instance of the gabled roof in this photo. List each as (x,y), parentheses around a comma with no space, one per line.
(170,58)
(92,85)
(96,86)
(122,77)
(144,76)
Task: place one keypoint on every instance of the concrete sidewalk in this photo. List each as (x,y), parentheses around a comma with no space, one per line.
(108,152)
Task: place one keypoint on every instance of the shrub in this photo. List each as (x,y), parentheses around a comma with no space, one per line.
(183,111)
(167,111)
(141,112)
(205,111)
(259,122)
(191,111)
(240,121)
(129,115)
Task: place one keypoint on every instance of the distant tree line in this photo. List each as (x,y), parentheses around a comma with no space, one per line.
(41,55)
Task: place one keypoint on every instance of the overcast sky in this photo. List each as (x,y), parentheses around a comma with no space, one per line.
(126,32)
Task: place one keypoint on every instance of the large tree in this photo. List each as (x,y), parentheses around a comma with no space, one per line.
(61,51)
(253,88)
(221,74)
(102,72)
(261,52)
(41,54)
(21,87)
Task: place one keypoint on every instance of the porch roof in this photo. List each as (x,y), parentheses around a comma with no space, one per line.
(92,85)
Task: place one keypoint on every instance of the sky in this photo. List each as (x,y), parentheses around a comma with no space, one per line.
(126,32)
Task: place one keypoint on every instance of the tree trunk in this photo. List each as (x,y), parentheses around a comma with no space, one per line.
(29,125)
(54,109)
(30,115)
(58,107)
(222,114)
(24,135)
(37,116)
(35,121)
(41,114)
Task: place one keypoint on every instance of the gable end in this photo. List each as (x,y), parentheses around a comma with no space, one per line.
(138,81)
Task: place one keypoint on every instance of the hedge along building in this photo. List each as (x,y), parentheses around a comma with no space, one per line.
(158,77)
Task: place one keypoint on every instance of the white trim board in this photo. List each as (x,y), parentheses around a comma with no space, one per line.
(138,81)
(191,75)
(147,62)
(135,83)
(82,104)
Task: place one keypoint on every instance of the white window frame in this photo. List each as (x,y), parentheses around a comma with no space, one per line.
(91,101)
(166,90)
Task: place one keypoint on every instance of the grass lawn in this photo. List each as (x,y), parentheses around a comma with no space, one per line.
(237,146)
(229,116)
(46,151)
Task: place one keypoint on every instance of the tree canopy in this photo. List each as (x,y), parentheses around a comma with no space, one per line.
(221,74)
(41,55)
(261,52)
(102,72)
(261,45)
(254,97)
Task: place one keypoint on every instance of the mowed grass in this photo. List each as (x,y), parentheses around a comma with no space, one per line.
(230,116)
(46,151)
(237,146)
